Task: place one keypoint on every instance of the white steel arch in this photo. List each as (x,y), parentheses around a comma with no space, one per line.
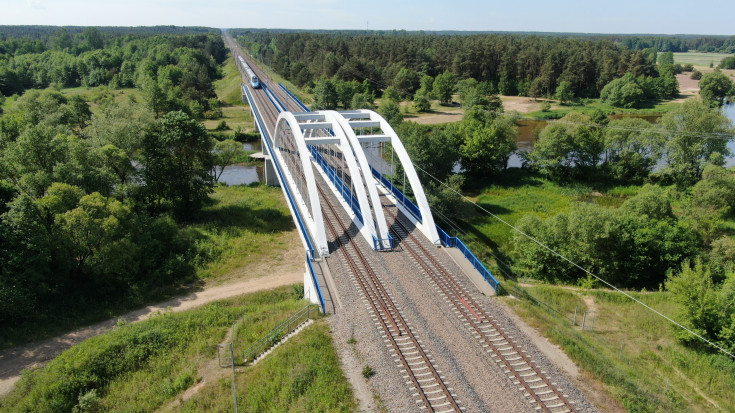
(367,177)
(389,135)
(310,207)
(327,121)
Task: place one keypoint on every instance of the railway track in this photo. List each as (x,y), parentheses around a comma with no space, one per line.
(430,390)
(537,388)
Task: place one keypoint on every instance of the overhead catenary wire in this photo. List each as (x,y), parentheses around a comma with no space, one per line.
(544,246)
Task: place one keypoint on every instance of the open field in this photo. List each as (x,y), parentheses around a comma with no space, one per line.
(149,365)
(699,59)
(630,350)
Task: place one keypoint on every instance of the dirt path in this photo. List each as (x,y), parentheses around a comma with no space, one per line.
(14,360)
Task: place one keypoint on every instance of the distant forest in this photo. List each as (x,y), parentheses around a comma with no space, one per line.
(512,64)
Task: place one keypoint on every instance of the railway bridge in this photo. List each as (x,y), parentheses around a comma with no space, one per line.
(429,318)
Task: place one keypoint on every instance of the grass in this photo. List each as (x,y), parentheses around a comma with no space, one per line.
(653,372)
(699,59)
(243,227)
(302,375)
(143,366)
(234,111)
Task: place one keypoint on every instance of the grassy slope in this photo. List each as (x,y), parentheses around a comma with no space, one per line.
(653,372)
(235,112)
(301,375)
(142,366)
(243,227)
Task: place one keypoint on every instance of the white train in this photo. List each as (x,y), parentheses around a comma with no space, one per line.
(254,82)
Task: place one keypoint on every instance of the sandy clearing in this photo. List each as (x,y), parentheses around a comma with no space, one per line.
(689,87)
(520,104)
(14,360)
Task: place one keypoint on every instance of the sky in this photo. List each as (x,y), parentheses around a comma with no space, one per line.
(590,16)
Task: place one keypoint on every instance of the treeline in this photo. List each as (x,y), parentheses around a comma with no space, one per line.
(719,44)
(183,66)
(45,32)
(510,64)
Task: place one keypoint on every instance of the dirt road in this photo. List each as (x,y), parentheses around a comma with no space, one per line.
(14,360)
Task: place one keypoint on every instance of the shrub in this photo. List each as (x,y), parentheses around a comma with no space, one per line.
(222,125)
(368,371)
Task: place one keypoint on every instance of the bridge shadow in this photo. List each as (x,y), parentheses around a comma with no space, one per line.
(351,232)
(232,217)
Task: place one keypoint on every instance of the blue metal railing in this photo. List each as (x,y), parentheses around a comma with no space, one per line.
(274,99)
(309,259)
(447,240)
(450,241)
(403,199)
(284,186)
(347,195)
(295,99)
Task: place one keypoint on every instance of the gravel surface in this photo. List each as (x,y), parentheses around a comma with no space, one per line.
(478,382)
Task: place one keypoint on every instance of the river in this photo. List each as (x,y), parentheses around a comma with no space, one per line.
(240,174)
(528,128)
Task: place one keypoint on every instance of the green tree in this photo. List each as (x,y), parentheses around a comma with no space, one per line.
(716,189)
(464,87)
(61,40)
(346,91)
(684,128)
(715,86)
(666,58)
(325,94)
(391,93)
(536,89)
(361,101)
(564,92)
(444,86)
(623,92)
(727,63)
(391,112)
(487,147)
(421,102)
(431,148)
(117,132)
(722,258)
(177,164)
(693,289)
(632,149)
(225,153)
(568,146)
(406,82)
(93,38)
(155,98)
